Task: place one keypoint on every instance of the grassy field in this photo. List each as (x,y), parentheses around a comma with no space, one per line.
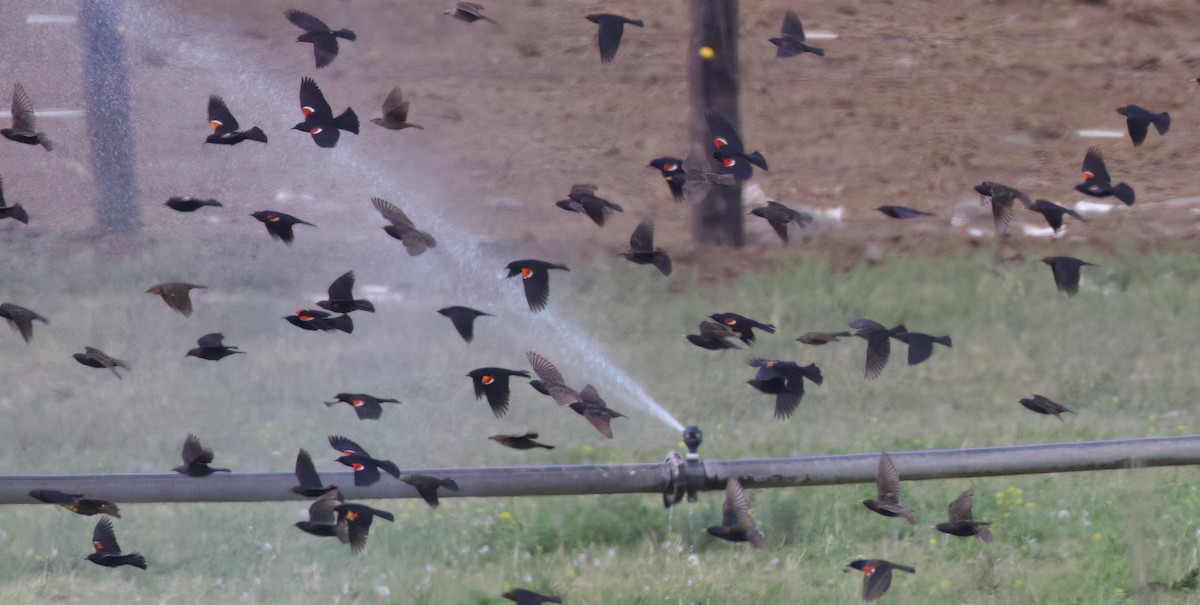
(1121,353)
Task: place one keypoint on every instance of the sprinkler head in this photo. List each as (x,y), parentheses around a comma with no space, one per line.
(692,437)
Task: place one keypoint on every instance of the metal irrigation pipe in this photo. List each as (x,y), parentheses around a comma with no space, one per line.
(675,475)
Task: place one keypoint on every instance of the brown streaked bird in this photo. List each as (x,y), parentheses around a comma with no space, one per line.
(736,523)
(609,33)
(322,516)
(76,503)
(593,408)
(427,486)
(781,217)
(21,319)
(108,552)
(176,295)
(395,112)
(583,199)
(469,12)
(550,381)
(1066,272)
(1139,119)
(415,241)
(323,39)
(310,482)
(493,382)
(24,122)
(354,523)
(522,596)
(920,346)
(642,251)
(15,211)
(196,459)
(279,225)
(535,276)
(784,380)
(822,338)
(212,348)
(341,296)
(1053,213)
(962,523)
(714,336)
(1042,405)
(887,492)
(463,319)
(879,347)
(1001,197)
(520,442)
(95,358)
(366,406)
(877,576)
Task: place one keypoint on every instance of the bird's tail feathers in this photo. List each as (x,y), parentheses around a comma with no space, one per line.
(348,121)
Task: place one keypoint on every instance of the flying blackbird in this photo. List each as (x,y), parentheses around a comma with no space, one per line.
(322,518)
(1001,198)
(672,172)
(878,345)
(279,225)
(469,12)
(225,127)
(95,358)
(310,482)
(463,319)
(784,379)
(20,319)
(699,174)
(323,39)
(714,336)
(887,492)
(175,294)
(395,112)
(877,576)
(189,204)
(314,320)
(550,381)
(920,346)
(780,217)
(1054,213)
(791,39)
(366,468)
(1066,272)
(318,116)
(1042,405)
(592,407)
(611,28)
(821,338)
(366,406)
(642,251)
(535,274)
(341,297)
(961,523)
(15,211)
(1096,181)
(77,503)
(493,382)
(24,123)
(354,523)
(402,228)
(528,597)
(520,442)
(108,552)
(1138,120)
(428,486)
(196,459)
(730,151)
(212,348)
(736,523)
(903,212)
(582,199)
(744,326)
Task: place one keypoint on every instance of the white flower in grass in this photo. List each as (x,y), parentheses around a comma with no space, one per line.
(527,578)
(483,550)
(383,591)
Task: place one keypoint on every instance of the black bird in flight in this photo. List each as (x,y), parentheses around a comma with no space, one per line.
(76,503)
(493,383)
(736,523)
(642,251)
(15,211)
(21,319)
(887,492)
(962,523)
(672,172)
(108,552)
(314,320)
(225,127)
(366,468)
(190,204)
(920,346)
(780,217)
(279,225)
(24,123)
(341,296)
(902,212)
(1066,272)
(323,39)
(1096,181)
(318,116)
(95,358)
(521,596)
(713,336)
(1043,405)
(877,576)
(212,348)
(593,408)
(310,482)
(427,486)
(582,199)
(730,151)
(354,523)
(609,33)
(365,406)
(784,379)
(196,459)
(1053,213)
(535,275)
(791,39)
(1138,120)
(528,441)
(879,347)
(744,326)
(463,319)
(322,516)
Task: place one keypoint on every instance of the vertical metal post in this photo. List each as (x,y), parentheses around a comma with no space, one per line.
(109,125)
(713,82)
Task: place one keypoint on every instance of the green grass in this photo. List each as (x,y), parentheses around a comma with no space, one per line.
(1121,354)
